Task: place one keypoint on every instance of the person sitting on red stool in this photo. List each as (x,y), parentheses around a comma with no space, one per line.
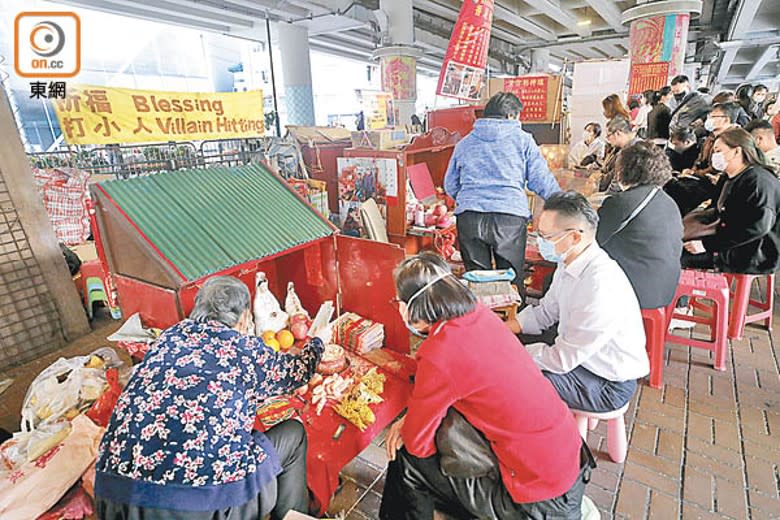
(599,351)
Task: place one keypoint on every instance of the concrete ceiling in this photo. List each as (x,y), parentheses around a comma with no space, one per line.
(573,30)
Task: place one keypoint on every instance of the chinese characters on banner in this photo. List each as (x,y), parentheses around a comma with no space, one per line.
(655,41)
(106,115)
(648,76)
(532,91)
(463,72)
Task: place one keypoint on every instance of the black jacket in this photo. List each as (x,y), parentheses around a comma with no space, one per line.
(648,249)
(748,238)
(658,122)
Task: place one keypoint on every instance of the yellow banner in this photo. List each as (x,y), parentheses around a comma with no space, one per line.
(108,115)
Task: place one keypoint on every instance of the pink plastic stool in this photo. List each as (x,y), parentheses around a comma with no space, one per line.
(655,324)
(617,443)
(742,301)
(709,286)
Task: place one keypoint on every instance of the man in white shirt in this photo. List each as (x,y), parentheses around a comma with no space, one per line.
(764,135)
(599,352)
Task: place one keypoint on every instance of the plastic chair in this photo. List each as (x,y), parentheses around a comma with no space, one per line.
(709,286)
(655,324)
(617,443)
(95,293)
(742,301)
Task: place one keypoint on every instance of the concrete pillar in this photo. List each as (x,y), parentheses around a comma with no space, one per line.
(540,61)
(398,59)
(296,72)
(658,40)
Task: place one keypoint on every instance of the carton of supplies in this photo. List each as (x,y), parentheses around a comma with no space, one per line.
(384,139)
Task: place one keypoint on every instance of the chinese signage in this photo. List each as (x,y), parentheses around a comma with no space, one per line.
(377,109)
(648,76)
(106,115)
(47,44)
(657,40)
(463,71)
(532,91)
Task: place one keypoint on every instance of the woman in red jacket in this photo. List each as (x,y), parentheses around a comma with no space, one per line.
(470,361)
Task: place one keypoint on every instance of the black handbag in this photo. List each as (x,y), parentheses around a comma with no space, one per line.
(700,223)
(464,452)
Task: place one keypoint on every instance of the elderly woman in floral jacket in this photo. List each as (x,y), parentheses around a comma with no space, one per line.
(180,443)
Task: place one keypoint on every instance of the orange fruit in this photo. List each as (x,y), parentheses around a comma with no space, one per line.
(273,344)
(269,335)
(285,339)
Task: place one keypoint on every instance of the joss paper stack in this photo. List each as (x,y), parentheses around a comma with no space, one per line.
(358,334)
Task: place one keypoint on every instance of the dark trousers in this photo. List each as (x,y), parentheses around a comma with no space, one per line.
(486,238)
(415,487)
(580,388)
(287,492)
(583,390)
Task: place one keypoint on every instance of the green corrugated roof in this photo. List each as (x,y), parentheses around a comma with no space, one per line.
(207,220)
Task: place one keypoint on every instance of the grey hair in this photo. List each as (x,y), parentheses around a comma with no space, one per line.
(573,205)
(223,299)
(618,124)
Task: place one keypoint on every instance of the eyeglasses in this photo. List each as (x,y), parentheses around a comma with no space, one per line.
(559,233)
(714,116)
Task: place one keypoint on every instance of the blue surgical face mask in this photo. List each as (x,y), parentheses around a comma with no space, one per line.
(421,290)
(547,248)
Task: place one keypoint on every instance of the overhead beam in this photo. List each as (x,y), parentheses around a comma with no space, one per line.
(726,61)
(766,56)
(505,14)
(609,12)
(561,15)
(743,18)
(270,5)
(244,14)
(145,14)
(165,7)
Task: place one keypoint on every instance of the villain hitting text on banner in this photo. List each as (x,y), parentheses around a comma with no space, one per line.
(462,74)
(106,115)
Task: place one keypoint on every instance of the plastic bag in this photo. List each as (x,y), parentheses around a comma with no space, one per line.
(101,410)
(33,488)
(66,387)
(25,447)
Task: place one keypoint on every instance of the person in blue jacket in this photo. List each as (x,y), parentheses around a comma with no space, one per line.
(487,176)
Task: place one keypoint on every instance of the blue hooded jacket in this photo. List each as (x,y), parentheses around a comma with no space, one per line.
(491,167)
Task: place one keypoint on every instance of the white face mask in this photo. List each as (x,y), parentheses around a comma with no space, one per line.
(419,291)
(709,125)
(718,161)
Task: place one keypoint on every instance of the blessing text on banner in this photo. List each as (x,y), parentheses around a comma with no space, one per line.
(462,74)
(107,115)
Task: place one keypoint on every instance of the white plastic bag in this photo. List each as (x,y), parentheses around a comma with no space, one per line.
(65,387)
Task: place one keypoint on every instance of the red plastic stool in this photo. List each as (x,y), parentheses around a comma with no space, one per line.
(742,301)
(656,325)
(713,287)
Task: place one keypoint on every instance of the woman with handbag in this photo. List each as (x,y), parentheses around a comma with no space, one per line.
(517,453)
(630,225)
(741,234)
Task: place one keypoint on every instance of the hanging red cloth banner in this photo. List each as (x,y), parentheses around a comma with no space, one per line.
(462,74)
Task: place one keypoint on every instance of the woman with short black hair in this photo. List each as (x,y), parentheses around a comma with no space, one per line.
(472,363)
(640,227)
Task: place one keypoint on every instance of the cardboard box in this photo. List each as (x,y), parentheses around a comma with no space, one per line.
(86,251)
(294,515)
(385,139)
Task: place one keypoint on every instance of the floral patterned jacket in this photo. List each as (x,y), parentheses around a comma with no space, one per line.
(181,434)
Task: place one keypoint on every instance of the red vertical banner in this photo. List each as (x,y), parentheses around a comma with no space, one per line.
(462,74)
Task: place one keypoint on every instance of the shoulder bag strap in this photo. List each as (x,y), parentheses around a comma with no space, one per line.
(634,213)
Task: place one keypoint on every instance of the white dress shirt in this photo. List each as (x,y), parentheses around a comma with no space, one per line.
(773,158)
(599,320)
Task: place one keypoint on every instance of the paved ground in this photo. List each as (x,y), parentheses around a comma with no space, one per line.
(705,446)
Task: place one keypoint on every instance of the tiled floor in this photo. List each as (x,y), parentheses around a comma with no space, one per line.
(705,446)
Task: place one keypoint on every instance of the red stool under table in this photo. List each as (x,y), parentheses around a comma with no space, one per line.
(709,286)
(742,301)
(656,324)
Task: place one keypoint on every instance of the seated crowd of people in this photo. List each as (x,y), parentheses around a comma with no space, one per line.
(180,443)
